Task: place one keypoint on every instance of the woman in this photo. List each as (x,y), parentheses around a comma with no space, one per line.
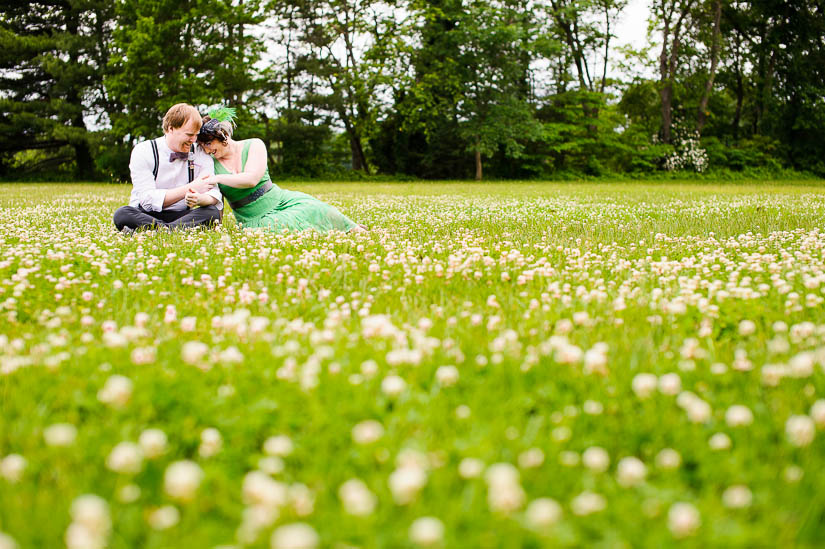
(243,178)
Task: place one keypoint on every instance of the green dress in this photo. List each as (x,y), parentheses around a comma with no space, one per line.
(280,209)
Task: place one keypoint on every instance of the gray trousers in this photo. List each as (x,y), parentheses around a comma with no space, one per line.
(135,218)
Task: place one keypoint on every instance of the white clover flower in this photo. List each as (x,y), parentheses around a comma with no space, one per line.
(630,471)
(378,326)
(357,498)
(502,473)
(596,459)
(463,411)
(128,493)
(125,458)
(302,499)
(592,407)
(531,458)
(447,376)
(271,465)
(801,365)
(588,503)
(738,416)
(470,468)
(182,479)
(60,434)
(505,498)
(259,489)
(367,432)
(737,497)
(793,474)
(188,323)
(406,482)
(280,445)
(668,459)
(698,411)
(91,523)
(683,520)
(211,443)
(116,392)
(595,360)
(542,513)
(569,459)
(427,532)
(79,536)
(800,430)
(719,441)
(193,352)
(297,535)
(153,443)
(747,327)
(504,492)
(7,542)
(644,384)
(164,517)
(670,384)
(817,413)
(12,467)
(393,385)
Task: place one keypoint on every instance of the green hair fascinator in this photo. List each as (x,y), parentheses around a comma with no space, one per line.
(223,114)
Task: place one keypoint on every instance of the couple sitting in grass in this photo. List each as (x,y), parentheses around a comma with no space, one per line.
(176,184)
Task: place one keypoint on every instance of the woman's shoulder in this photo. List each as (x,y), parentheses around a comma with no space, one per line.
(255,142)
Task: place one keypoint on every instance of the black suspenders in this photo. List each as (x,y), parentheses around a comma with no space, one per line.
(157,162)
(157,159)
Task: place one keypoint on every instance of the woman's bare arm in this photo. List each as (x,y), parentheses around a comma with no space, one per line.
(253,171)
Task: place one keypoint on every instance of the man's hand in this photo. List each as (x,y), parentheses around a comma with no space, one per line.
(194,198)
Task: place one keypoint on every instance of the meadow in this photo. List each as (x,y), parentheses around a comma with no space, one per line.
(492,365)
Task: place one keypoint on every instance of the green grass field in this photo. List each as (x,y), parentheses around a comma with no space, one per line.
(492,365)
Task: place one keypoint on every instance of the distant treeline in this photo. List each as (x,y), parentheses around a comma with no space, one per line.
(420,88)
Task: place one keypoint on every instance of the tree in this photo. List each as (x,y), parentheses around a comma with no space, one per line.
(52,62)
(584,26)
(348,48)
(672,17)
(166,52)
(494,110)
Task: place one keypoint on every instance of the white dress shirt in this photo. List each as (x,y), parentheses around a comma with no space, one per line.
(150,193)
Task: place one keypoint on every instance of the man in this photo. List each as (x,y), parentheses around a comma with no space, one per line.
(160,183)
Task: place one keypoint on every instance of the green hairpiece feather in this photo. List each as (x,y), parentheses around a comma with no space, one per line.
(223,114)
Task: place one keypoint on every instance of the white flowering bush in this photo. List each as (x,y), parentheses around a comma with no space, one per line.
(497,365)
(687,154)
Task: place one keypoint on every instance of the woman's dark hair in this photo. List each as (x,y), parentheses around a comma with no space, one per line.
(214,129)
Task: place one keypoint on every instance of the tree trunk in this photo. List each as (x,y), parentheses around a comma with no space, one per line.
(714,61)
(667,111)
(83,157)
(740,94)
(668,61)
(478,165)
(359,161)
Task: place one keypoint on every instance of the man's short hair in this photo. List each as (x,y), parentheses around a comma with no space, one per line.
(180,114)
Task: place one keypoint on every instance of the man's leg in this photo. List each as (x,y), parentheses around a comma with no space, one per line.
(205,215)
(135,218)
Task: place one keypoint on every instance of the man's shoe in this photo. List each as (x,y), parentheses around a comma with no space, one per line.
(127,231)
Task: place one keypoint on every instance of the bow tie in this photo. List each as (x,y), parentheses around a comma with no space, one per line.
(178,156)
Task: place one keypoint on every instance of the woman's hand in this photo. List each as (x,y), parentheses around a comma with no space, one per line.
(203,184)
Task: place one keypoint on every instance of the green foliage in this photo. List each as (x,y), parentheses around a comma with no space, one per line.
(166,52)
(419,88)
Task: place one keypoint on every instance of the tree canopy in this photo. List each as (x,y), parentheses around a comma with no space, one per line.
(422,88)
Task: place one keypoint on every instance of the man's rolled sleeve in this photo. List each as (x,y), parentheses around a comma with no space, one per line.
(218,196)
(144,192)
(204,165)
